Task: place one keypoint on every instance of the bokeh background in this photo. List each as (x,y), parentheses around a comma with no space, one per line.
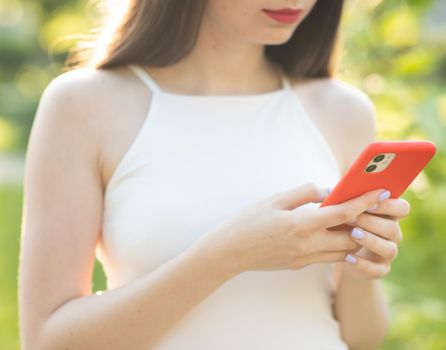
(394,50)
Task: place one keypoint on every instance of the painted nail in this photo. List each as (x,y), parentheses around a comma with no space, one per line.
(384,195)
(357,233)
(350,259)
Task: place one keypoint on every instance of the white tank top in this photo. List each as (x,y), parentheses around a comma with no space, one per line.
(197,160)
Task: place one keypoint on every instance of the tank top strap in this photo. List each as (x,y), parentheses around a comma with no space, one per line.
(145,77)
(142,74)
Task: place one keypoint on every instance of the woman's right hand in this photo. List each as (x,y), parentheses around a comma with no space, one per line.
(271,235)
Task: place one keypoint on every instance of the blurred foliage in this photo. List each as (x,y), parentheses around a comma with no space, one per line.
(394,50)
(10,211)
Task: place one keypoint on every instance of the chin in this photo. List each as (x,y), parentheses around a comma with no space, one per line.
(275,37)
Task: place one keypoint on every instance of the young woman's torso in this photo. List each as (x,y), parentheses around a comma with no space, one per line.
(162,196)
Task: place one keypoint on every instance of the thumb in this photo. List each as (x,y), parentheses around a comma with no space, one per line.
(299,195)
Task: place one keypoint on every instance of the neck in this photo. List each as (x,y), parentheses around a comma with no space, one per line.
(220,66)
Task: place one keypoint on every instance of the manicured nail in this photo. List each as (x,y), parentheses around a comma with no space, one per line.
(350,259)
(357,233)
(384,195)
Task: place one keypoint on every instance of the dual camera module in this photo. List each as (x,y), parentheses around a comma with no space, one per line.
(379,162)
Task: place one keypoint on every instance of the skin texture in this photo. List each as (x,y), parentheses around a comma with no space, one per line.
(228,57)
(74,148)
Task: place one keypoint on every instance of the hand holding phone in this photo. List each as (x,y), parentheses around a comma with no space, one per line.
(392,165)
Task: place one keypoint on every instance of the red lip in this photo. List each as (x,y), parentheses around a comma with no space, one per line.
(284,15)
(285,10)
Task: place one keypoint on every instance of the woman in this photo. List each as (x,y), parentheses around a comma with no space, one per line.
(189,154)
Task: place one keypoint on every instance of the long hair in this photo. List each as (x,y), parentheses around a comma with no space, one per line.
(161,32)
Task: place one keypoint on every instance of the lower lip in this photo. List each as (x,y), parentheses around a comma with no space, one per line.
(283,17)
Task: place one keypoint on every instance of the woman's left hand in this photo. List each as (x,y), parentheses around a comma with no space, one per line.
(380,239)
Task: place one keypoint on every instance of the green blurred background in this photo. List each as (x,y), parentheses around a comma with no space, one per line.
(394,50)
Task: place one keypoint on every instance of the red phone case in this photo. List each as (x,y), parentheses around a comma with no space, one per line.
(410,159)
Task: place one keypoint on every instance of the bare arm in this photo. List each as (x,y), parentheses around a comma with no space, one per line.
(359,305)
(136,315)
(61,224)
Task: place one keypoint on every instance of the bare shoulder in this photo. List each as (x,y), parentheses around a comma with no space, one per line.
(89,90)
(84,89)
(344,113)
(80,97)
(347,102)
(105,107)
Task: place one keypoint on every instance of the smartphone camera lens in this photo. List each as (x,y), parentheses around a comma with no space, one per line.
(378,158)
(370,168)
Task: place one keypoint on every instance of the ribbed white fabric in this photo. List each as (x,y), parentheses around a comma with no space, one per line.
(196,161)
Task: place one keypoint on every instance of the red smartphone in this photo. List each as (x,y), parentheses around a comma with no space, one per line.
(391,165)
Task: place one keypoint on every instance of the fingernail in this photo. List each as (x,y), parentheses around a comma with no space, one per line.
(357,233)
(350,259)
(384,195)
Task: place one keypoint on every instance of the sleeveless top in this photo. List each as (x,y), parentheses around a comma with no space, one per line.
(197,160)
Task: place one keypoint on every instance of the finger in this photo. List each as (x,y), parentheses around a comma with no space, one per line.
(384,227)
(369,268)
(394,207)
(348,211)
(296,196)
(324,240)
(378,245)
(321,256)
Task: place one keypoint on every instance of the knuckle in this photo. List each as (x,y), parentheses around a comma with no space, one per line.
(350,244)
(345,215)
(371,201)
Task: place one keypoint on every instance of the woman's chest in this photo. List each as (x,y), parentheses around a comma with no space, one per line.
(171,190)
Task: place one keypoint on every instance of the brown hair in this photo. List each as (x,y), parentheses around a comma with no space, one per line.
(161,32)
